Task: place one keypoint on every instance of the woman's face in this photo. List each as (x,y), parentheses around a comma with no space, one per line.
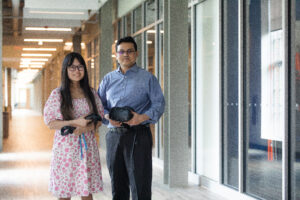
(75,71)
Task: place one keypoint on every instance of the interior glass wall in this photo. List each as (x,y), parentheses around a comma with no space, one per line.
(264,89)
(207,85)
(230,95)
(296,134)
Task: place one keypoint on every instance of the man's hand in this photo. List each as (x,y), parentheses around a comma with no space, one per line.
(113,122)
(137,119)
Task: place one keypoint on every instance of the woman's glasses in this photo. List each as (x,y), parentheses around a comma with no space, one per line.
(74,67)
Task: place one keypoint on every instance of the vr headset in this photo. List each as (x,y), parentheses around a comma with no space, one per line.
(121,114)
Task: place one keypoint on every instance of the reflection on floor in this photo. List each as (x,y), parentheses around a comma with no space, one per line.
(24,165)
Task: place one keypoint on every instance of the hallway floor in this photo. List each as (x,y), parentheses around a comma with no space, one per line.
(25,161)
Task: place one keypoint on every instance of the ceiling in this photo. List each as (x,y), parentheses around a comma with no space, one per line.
(18,15)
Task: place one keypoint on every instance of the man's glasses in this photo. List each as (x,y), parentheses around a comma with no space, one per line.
(74,67)
(129,52)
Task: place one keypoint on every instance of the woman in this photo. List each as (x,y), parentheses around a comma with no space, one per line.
(75,164)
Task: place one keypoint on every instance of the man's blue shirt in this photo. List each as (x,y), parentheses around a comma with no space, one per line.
(136,88)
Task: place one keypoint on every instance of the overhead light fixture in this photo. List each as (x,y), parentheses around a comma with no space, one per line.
(43,40)
(39,49)
(149,42)
(151,31)
(36,55)
(55,12)
(36,66)
(34,59)
(47,29)
(32,63)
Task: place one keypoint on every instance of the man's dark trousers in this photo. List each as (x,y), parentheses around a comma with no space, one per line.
(129,161)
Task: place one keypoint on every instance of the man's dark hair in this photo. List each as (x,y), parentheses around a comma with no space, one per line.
(126,39)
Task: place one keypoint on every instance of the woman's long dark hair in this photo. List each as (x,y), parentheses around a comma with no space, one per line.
(66,106)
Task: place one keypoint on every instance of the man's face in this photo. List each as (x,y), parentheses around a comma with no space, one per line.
(126,54)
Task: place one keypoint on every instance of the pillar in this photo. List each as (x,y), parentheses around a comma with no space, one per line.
(106,41)
(76,43)
(176,93)
(1,92)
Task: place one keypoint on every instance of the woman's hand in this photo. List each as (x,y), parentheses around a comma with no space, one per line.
(78,131)
(81,122)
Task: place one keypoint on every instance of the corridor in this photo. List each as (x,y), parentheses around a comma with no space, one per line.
(25,160)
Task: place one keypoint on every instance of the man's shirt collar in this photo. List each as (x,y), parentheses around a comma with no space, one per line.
(134,68)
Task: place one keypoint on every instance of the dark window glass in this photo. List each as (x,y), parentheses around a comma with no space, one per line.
(137,18)
(230,98)
(296,134)
(264,99)
(150,12)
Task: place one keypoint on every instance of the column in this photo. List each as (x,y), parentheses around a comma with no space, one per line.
(106,41)
(77,43)
(1,92)
(9,92)
(176,93)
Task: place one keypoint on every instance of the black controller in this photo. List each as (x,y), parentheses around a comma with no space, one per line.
(93,117)
(66,130)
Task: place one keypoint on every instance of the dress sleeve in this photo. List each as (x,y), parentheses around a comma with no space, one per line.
(98,104)
(52,107)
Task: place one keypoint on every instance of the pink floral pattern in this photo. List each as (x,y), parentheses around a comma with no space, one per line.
(69,174)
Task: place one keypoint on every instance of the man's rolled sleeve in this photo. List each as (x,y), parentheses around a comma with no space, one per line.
(157,101)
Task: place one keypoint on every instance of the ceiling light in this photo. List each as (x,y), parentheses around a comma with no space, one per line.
(149,42)
(36,66)
(37,55)
(47,29)
(43,40)
(69,43)
(34,59)
(39,49)
(32,63)
(55,12)
(151,31)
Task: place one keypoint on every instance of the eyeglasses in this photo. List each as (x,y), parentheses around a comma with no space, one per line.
(74,67)
(129,52)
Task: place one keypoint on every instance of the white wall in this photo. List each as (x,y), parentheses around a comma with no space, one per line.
(207,89)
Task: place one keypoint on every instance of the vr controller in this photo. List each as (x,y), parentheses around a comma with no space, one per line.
(66,130)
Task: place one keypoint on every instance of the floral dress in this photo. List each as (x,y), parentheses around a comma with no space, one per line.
(73,174)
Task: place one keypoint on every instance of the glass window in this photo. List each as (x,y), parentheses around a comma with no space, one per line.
(161,80)
(265,99)
(207,73)
(190,89)
(230,92)
(150,47)
(151,50)
(137,18)
(296,134)
(138,40)
(128,24)
(150,12)
(161,9)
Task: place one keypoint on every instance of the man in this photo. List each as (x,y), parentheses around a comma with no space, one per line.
(129,150)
